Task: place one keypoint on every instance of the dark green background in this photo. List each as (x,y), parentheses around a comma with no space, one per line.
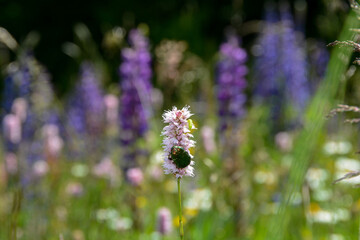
(199,22)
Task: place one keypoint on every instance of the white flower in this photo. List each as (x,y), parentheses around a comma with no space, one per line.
(177,133)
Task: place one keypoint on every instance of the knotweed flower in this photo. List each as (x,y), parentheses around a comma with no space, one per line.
(177,142)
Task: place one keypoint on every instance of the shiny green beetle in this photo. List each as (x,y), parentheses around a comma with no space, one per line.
(180,157)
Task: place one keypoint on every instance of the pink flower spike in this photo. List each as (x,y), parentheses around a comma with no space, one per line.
(135,176)
(164,224)
(177,133)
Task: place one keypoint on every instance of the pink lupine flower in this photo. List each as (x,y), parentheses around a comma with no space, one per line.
(54,145)
(135,176)
(12,128)
(284,141)
(74,189)
(177,133)
(50,130)
(164,222)
(207,134)
(11,163)
(112,108)
(106,169)
(19,108)
(40,168)
(52,141)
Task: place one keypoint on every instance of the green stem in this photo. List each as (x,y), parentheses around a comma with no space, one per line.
(180,212)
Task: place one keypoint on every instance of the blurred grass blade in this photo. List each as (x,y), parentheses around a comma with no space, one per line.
(7,39)
(314,122)
(31,40)
(72,50)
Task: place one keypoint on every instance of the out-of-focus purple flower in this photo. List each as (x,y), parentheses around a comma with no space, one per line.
(231,71)
(280,67)
(135,176)
(164,221)
(92,97)
(76,113)
(17,83)
(29,101)
(9,93)
(269,87)
(135,102)
(86,107)
(35,88)
(25,83)
(293,64)
(267,62)
(34,152)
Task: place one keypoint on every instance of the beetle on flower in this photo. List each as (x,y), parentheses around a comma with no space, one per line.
(177,142)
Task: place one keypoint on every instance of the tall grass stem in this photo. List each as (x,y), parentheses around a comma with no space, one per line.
(181,225)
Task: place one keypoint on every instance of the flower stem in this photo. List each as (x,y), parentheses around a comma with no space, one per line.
(180,212)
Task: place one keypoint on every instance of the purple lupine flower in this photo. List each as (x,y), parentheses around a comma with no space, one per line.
(269,88)
(9,93)
(76,113)
(16,84)
(293,64)
(11,132)
(231,71)
(86,107)
(135,72)
(267,61)
(92,97)
(25,88)
(40,97)
(30,94)
(30,101)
